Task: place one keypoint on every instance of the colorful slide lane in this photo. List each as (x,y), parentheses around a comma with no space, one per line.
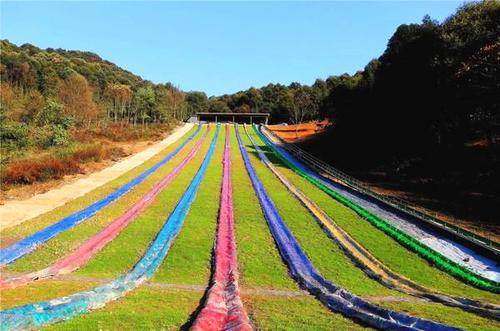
(81,255)
(304,272)
(440,258)
(47,312)
(367,262)
(30,243)
(223,309)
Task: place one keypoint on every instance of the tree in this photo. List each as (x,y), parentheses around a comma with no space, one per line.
(218,106)
(77,97)
(302,107)
(121,96)
(196,102)
(144,103)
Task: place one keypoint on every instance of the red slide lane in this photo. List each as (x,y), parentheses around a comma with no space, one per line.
(223,309)
(81,255)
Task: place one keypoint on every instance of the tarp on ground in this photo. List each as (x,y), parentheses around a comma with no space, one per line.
(367,262)
(28,244)
(81,255)
(445,263)
(223,309)
(304,272)
(47,312)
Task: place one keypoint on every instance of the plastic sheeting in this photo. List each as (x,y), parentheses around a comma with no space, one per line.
(28,244)
(438,258)
(308,277)
(367,262)
(81,255)
(223,309)
(46,312)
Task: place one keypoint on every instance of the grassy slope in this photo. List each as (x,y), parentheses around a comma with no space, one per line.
(322,251)
(458,317)
(261,266)
(188,262)
(63,243)
(382,246)
(122,253)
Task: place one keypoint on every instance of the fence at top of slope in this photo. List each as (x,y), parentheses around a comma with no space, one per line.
(223,309)
(29,243)
(81,255)
(489,245)
(453,268)
(305,273)
(47,312)
(370,265)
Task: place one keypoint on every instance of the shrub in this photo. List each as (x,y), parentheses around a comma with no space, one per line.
(30,171)
(13,135)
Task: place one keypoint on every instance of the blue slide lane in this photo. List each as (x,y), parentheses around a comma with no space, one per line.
(304,272)
(28,244)
(449,255)
(46,312)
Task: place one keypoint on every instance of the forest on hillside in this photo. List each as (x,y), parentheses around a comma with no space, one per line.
(436,84)
(432,94)
(423,118)
(62,108)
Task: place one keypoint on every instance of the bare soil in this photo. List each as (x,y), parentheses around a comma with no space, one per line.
(299,132)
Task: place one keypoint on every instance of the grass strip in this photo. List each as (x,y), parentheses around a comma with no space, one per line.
(426,252)
(48,312)
(382,246)
(62,244)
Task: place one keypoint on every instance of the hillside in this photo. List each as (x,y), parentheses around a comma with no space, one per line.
(65,112)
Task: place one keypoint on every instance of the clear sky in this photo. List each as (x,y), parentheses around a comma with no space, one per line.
(220,47)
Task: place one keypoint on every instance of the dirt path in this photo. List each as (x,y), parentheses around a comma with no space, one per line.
(14,212)
(265,292)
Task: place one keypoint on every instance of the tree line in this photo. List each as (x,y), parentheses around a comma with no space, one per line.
(47,92)
(436,85)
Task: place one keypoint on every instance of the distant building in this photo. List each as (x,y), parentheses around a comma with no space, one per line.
(259,118)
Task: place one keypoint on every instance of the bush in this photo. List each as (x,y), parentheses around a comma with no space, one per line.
(65,162)
(29,171)
(96,153)
(13,135)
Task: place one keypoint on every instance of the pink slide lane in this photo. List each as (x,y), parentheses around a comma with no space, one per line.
(223,309)
(81,255)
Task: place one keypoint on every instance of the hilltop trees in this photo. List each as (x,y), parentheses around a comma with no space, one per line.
(84,91)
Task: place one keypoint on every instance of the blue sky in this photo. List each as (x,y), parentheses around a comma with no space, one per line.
(220,47)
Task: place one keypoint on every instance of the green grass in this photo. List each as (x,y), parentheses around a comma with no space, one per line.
(68,240)
(295,313)
(143,309)
(189,259)
(322,251)
(188,262)
(261,267)
(393,255)
(444,314)
(34,292)
(259,262)
(123,252)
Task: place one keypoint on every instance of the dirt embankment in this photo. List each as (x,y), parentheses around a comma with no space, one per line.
(299,132)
